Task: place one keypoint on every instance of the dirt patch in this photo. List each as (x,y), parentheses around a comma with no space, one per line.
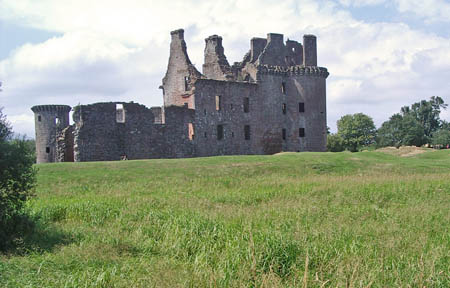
(404,151)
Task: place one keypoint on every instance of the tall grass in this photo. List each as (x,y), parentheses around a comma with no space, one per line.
(365,219)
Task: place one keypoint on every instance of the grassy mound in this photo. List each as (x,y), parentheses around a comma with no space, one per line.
(368,219)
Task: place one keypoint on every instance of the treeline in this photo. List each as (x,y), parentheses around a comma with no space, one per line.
(415,125)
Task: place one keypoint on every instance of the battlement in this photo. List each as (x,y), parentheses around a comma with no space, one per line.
(293,70)
(51,108)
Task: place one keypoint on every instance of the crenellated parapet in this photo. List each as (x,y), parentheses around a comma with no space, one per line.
(51,108)
(293,70)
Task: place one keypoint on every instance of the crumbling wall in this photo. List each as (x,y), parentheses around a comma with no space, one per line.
(64,145)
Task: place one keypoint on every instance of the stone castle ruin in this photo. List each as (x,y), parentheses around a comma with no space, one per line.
(272,101)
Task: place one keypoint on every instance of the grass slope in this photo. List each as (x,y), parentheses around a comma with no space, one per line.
(366,219)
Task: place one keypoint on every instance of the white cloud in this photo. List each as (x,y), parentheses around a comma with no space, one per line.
(116,50)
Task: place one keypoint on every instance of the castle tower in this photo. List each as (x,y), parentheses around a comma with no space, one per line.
(49,120)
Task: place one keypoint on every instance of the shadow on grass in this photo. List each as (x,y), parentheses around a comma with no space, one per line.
(27,234)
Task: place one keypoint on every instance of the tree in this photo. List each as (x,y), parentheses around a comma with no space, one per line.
(334,143)
(356,130)
(441,138)
(17,180)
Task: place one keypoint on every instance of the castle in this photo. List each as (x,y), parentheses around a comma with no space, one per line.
(272,101)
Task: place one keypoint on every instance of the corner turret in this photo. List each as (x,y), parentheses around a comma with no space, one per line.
(49,120)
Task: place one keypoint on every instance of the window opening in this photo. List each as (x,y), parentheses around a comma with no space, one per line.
(39,118)
(186,105)
(284,108)
(204,111)
(247,132)
(231,106)
(47,149)
(232,134)
(246,104)
(218,103)
(293,49)
(301,132)
(191,131)
(219,132)
(57,120)
(284,134)
(283,87)
(120,113)
(186,83)
(301,107)
(204,134)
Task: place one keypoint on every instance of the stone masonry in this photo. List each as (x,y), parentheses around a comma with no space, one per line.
(273,100)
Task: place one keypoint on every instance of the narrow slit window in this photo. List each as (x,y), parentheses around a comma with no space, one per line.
(218,103)
(246,104)
(191,131)
(283,87)
(283,132)
(57,120)
(205,135)
(301,107)
(186,83)
(120,113)
(301,132)
(247,132)
(219,132)
(284,108)
(39,118)
(47,149)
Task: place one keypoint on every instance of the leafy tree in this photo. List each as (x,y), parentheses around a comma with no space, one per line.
(17,180)
(334,143)
(441,138)
(356,130)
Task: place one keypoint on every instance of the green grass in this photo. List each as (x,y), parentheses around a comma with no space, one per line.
(365,219)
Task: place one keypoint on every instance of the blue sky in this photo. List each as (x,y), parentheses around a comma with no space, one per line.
(381,54)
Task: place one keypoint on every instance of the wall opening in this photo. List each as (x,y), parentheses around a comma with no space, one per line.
(301,132)
(231,106)
(120,113)
(47,149)
(204,135)
(57,121)
(301,107)
(39,118)
(283,132)
(283,87)
(219,132)
(283,107)
(232,134)
(191,131)
(247,132)
(186,105)
(186,83)
(246,104)
(218,102)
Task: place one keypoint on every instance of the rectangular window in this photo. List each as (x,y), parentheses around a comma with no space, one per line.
(246,104)
(283,87)
(283,132)
(39,118)
(186,83)
(191,131)
(186,105)
(219,132)
(284,108)
(204,134)
(57,120)
(301,107)
(47,149)
(218,103)
(301,132)
(247,132)
(120,113)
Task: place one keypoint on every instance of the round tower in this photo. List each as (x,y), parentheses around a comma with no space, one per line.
(49,119)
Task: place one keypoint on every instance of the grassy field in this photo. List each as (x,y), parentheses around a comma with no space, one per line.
(367,219)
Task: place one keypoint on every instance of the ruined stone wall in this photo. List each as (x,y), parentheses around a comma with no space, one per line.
(64,145)
(100,136)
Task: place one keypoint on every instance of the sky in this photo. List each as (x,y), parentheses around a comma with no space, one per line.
(381,54)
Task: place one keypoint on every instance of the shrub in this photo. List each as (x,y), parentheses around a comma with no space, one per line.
(334,143)
(17,180)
